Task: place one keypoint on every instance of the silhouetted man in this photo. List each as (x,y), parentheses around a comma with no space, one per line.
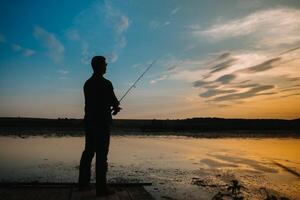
(100,102)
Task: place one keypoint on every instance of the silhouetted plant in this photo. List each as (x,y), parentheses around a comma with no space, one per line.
(218,196)
(234,192)
(272,196)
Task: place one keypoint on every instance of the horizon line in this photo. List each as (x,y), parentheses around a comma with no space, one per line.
(70,118)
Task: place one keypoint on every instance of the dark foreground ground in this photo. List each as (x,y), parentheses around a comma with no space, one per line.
(69,191)
(196,127)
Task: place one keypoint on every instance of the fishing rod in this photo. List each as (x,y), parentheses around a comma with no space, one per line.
(139,78)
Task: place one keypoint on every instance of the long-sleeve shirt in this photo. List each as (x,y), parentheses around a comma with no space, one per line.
(99,98)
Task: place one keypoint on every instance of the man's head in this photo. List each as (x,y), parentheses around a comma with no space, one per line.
(99,64)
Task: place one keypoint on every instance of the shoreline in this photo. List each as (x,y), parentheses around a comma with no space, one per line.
(51,132)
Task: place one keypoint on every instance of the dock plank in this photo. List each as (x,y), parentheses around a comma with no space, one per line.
(69,191)
(122,193)
(35,194)
(137,193)
(91,195)
(80,195)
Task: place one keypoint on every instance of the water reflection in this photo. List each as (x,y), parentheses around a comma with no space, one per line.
(255,164)
(170,163)
(216,164)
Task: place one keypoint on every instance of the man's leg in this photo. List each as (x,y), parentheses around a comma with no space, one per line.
(86,159)
(102,148)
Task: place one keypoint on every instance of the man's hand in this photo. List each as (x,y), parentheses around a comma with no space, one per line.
(115,110)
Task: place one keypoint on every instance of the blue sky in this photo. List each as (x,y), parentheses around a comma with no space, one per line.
(233,58)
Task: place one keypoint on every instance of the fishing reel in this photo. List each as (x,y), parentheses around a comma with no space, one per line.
(116,110)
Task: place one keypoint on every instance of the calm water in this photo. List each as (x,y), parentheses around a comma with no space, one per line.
(170,163)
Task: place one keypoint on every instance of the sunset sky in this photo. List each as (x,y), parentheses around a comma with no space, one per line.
(231,58)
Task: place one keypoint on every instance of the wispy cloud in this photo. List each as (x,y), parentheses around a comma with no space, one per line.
(113,56)
(289,95)
(155,24)
(226,78)
(24,51)
(49,40)
(63,74)
(233,77)
(175,10)
(16,47)
(268,27)
(292,79)
(28,52)
(120,23)
(253,92)
(63,71)
(223,65)
(85,53)
(73,35)
(266,65)
(215,92)
(88,26)
(163,77)
(141,65)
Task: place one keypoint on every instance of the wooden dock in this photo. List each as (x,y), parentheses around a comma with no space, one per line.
(69,191)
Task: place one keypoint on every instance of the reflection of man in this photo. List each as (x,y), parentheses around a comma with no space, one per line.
(100,101)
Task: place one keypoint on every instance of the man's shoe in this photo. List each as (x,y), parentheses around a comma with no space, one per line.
(104,192)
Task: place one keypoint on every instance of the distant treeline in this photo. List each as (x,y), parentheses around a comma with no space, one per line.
(130,125)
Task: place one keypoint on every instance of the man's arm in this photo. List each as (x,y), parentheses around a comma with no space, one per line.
(115,102)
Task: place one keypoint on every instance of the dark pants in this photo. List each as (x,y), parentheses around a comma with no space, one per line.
(96,141)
